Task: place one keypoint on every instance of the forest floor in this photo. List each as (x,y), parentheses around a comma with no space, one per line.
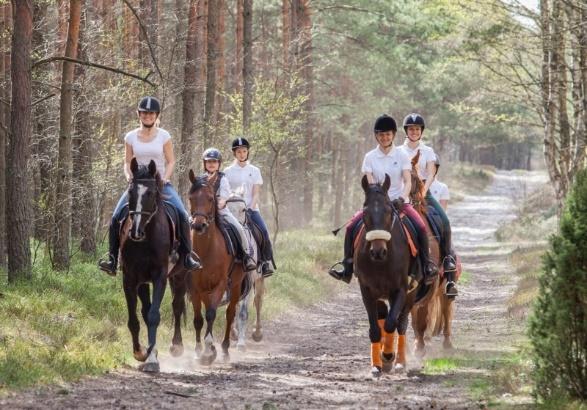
(318,357)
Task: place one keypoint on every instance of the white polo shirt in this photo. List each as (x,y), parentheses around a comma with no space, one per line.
(244,178)
(144,152)
(439,190)
(427,154)
(393,163)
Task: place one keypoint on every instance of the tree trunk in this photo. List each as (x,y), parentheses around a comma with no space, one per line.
(149,18)
(308,78)
(18,194)
(248,74)
(238,44)
(188,95)
(212,61)
(63,182)
(220,66)
(285,35)
(5,16)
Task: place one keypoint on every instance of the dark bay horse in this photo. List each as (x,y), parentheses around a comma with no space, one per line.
(219,271)
(433,314)
(382,261)
(146,243)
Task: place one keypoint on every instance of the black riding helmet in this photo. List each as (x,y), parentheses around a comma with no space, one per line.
(414,119)
(212,153)
(149,104)
(240,142)
(384,123)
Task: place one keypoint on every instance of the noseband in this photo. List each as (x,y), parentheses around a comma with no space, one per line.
(381,234)
(148,214)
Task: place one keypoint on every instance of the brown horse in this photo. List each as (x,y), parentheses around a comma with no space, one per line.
(433,314)
(382,262)
(146,243)
(219,271)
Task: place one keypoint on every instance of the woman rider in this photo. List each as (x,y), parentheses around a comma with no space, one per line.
(393,161)
(212,159)
(243,174)
(146,143)
(414,128)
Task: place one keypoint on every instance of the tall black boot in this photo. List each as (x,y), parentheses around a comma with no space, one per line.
(185,246)
(346,273)
(451,288)
(449,261)
(110,263)
(429,267)
(267,266)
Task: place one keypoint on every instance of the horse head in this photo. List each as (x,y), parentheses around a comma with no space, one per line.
(377,217)
(417,193)
(202,198)
(144,196)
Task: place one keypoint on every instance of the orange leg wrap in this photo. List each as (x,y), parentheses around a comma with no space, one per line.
(376,355)
(389,342)
(401,349)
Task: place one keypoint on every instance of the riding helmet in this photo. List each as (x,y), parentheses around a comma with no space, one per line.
(385,123)
(414,119)
(240,142)
(212,153)
(149,104)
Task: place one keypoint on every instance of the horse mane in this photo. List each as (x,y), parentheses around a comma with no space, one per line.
(417,195)
(143,173)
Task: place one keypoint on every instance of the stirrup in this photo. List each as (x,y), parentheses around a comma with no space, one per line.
(339,274)
(191,263)
(249,264)
(108,264)
(266,269)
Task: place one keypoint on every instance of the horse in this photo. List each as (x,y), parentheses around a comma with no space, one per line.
(433,314)
(146,244)
(219,273)
(236,204)
(382,261)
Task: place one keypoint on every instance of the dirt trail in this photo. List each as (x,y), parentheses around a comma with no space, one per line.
(319,357)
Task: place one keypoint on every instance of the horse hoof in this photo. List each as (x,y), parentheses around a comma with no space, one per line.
(257,335)
(208,358)
(420,351)
(226,357)
(387,359)
(140,355)
(176,350)
(447,344)
(198,349)
(152,367)
(241,347)
(376,372)
(399,368)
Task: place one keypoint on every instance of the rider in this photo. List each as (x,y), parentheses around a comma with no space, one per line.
(439,190)
(393,161)
(243,174)
(146,143)
(414,128)
(212,159)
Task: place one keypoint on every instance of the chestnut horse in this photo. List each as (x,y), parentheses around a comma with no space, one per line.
(433,314)
(219,273)
(146,242)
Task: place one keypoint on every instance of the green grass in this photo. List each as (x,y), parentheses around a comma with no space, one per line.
(62,326)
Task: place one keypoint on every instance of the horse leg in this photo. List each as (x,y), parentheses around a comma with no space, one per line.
(397,300)
(209,354)
(145,297)
(401,364)
(241,323)
(259,292)
(235,295)
(419,324)
(178,289)
(370,303)
(130,293)
(387,339)
(198,320)
(154,317)
(447,306)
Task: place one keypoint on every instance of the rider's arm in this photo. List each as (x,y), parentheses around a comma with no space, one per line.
(128,156)
(169,159)
(223,192)
(256,193)
(407,177)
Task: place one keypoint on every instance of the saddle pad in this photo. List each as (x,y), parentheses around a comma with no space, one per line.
(360,230)
(435,222)
(410,231)
(230,237)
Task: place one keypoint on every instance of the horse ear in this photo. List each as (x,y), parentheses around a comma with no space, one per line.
(415,159)
(152,168)
(192,176)
(365,183)
(386,183)
(134,165)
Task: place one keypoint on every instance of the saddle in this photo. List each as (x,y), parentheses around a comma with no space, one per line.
(231,238)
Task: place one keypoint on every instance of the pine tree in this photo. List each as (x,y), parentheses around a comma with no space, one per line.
(558,328)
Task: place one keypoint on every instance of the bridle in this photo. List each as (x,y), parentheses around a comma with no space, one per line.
(148,214)
(208,217)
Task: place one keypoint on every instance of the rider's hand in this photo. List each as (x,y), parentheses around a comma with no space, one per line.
(398,203)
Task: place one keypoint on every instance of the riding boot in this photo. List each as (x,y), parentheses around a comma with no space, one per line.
(185,246)
(449,262)
(267,268)
(430,268)
(346,273)
(110,263)
(451,288)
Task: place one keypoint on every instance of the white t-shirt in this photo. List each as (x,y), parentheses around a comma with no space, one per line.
(426,155)
(393,164)
(439,190)
(244,178)
(144,152)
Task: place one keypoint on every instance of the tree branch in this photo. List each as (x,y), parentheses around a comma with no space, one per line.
(96,65)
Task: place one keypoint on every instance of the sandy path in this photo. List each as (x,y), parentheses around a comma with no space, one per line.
(319,357)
